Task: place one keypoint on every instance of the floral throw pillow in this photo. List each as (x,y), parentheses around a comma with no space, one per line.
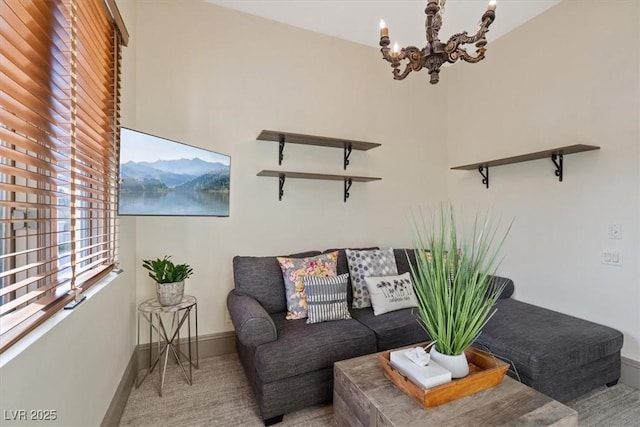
(293,272)
(374,263)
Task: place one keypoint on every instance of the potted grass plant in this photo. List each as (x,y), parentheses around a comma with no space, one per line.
(452,280)
(169,278)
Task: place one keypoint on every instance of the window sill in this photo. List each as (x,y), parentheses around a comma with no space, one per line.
(51,323)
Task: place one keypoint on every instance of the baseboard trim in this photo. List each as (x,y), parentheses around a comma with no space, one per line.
(630,372)
(217,344)
(208,345)
(119,401)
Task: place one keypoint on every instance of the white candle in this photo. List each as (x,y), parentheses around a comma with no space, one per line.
(396,50)
(492,5)
(384,31)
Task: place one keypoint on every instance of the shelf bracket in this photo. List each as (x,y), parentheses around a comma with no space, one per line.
(347,187)
(347,153)
(557,160)
(485,176)
(281,149)
(281,187)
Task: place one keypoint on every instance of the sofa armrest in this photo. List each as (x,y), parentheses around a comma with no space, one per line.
(507,291)
(251,321)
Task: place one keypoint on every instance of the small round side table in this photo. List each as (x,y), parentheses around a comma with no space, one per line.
(168,336)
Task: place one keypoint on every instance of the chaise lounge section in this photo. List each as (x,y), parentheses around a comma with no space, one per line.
(561,356)
(289,363)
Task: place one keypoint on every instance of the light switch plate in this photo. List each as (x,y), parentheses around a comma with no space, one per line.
(611,257)
(615,231)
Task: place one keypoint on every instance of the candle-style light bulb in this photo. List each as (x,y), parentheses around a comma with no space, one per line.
(384,31)
(492,5)
(396,49)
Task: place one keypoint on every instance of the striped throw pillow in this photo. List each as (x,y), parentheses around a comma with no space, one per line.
(326,298)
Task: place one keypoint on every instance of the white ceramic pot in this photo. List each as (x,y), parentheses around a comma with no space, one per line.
(457,365)
(169,293)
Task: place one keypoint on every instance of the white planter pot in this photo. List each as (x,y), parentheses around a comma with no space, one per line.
(170,293)
(457,365)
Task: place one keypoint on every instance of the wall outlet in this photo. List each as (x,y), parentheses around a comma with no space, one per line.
(610,257)
(615,231)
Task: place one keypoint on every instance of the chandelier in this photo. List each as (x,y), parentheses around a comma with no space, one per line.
(436,53)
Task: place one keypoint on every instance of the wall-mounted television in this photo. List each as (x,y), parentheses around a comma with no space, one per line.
(162,177)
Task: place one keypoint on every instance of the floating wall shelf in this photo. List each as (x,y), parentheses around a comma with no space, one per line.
(295,138)
(347,179)
(556,155)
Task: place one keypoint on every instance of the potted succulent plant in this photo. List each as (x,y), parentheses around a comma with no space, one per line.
(169,278)
(452,280)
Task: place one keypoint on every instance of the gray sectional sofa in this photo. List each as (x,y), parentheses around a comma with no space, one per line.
(289,363)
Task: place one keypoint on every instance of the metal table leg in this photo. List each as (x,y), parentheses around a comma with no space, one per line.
(168,339)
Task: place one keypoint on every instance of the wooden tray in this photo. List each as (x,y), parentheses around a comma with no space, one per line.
(485,371)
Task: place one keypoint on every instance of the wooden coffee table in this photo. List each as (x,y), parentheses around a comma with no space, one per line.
(362,396)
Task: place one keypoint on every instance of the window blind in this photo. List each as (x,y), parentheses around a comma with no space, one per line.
(59,130)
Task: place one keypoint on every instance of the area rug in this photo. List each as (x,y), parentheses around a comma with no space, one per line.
(220,396)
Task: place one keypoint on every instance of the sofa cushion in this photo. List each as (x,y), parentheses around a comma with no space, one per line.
(391,293)
(503,281)
(343,267)
(302,348)
(261,278)
(577,380)
(379,262)
(326,298)
(294,270)
(393,329)
(541,341)
(403,258)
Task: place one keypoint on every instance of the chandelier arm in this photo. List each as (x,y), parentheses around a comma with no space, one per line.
(394,60)
(467,57)
(385,54)
(464,38)
(413,55)
(400,76)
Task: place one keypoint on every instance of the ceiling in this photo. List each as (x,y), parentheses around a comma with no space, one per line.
(358,20)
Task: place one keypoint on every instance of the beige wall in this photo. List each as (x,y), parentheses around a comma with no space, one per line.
(214,78)
(75,367)
(638,189)
(569,76)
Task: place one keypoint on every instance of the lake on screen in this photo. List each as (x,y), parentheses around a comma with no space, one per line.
(195,203)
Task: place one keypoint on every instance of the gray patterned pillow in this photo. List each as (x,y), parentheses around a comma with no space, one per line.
(326,298)
(374,263)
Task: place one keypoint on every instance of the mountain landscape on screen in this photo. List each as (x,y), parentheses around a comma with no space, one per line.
(174,175)
(159,176)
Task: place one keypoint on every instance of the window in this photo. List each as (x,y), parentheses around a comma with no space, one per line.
(59,127)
